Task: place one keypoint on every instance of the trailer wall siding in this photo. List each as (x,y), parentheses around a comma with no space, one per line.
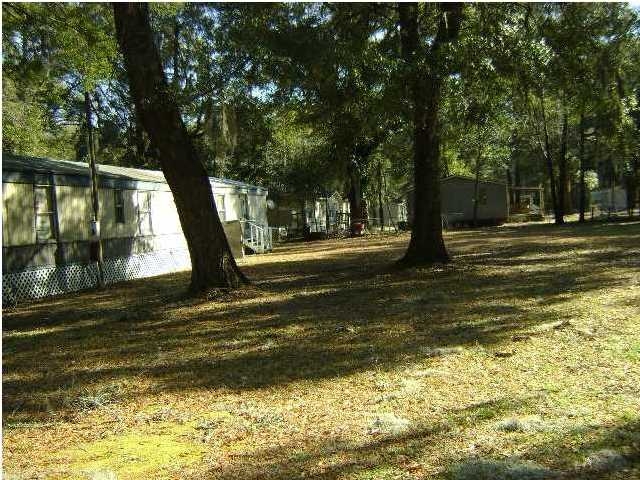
(18,214)
(148,242)
(257,211)
(109,228)
(74,212)
(164,214)
(231,204)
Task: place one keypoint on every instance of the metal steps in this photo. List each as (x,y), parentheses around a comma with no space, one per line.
(255,237)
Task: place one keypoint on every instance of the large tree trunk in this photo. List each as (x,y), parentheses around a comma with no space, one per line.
(426,245)
(635,172)
(380,199)
(583,190)
(516,175)
(546,152)
(142,154)
(563,178)
(213,265)
(355,196)
(476,187)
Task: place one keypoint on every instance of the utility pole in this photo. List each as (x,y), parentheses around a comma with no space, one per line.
(95,244)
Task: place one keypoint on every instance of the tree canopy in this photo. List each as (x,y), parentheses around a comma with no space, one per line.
(293,95)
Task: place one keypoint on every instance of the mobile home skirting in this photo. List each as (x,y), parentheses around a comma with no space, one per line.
(49,280)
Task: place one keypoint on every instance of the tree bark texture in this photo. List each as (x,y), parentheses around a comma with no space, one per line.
(516,176)
(583,189)
(380,199)
(476,187)
(563,177)
(355,196)
(425,84)
(548,159)
(213,265)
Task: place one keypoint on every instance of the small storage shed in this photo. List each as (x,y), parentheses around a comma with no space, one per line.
(46,218)
(457,195)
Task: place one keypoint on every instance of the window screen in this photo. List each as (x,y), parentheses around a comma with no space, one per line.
(144,213)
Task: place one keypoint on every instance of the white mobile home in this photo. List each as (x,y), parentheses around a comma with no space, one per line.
(297,215)
(46,224)
(608,199)
(395,213)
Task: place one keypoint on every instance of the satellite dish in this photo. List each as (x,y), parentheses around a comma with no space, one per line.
(271,204)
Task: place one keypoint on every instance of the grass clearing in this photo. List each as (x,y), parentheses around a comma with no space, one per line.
(521,356)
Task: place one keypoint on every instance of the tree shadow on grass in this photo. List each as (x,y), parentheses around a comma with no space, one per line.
(609,452)
(374,454)
(322,318)
(583,453)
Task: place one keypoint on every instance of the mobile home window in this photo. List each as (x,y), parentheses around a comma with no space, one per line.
(144,213)
(118,201)
(44,212)
(219,199)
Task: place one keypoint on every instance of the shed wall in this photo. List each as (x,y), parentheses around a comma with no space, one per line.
(458,198)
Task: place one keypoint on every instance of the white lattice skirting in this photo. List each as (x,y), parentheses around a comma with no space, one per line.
(57,279)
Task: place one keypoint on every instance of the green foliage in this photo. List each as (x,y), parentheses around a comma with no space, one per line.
(25,126)
(53,53)
(299,157)
(287,94)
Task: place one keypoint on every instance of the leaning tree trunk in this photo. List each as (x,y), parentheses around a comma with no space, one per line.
(213,265)
(426,245)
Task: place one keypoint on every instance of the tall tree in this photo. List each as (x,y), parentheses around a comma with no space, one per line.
(425,67)
(213,265)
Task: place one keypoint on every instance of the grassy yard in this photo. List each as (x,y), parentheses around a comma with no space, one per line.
(520,360)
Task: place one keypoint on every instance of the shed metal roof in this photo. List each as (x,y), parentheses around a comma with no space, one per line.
(471,179)
(409,187)
(27,164)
